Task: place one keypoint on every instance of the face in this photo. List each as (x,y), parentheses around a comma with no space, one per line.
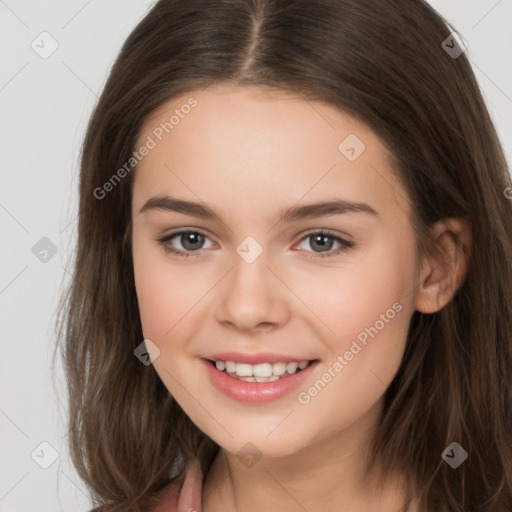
(335,285)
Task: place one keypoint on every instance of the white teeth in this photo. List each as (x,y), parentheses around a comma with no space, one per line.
(244,370)
(263,372)
(279,368)
(291,367)
(230,367)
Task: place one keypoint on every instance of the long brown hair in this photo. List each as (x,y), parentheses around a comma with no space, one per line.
(387,64)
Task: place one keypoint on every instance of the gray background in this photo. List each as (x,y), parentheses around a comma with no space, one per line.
(45,107)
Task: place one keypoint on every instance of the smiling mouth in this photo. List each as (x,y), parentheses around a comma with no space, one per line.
(265,372)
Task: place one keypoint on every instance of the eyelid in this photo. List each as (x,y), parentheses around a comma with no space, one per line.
(326,231)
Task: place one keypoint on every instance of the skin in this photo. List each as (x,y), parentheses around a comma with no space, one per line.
(249,153)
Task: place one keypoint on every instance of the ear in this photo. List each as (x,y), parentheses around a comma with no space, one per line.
(444,269)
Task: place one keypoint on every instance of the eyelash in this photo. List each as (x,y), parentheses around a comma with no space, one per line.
(345,245)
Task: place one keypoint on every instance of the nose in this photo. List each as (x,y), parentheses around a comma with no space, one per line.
(252,298)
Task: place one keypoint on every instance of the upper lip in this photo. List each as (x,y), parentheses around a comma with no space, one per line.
(258,358)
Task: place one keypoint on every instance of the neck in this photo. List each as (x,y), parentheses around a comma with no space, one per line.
(327,475)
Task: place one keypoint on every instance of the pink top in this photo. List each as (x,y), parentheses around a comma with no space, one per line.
(183,494)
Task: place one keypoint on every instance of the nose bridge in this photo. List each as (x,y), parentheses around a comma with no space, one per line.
(250,276)
(250,268)
(251,294)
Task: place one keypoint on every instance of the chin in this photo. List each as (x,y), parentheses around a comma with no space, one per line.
(251,448)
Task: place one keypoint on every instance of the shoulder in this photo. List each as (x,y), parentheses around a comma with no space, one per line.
(166,500)
(183,492)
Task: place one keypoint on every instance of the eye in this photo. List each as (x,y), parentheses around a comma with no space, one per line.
(190,241)
(324,241)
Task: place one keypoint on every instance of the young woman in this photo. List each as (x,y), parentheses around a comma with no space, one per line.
(293,275)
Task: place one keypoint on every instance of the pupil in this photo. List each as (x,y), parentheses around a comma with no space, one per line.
(191,238)
(321,241)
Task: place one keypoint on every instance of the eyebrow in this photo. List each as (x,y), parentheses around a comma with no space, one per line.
(202,210)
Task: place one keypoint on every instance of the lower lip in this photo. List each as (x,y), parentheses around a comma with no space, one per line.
(256,392)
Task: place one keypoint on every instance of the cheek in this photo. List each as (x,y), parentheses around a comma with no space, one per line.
(365,310)
(363,358)
(165,293)
(352,297)
(169,300)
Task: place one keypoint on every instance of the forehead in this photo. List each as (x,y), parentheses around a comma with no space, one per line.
(261,146)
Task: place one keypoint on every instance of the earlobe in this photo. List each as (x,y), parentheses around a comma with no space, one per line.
(444,268)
